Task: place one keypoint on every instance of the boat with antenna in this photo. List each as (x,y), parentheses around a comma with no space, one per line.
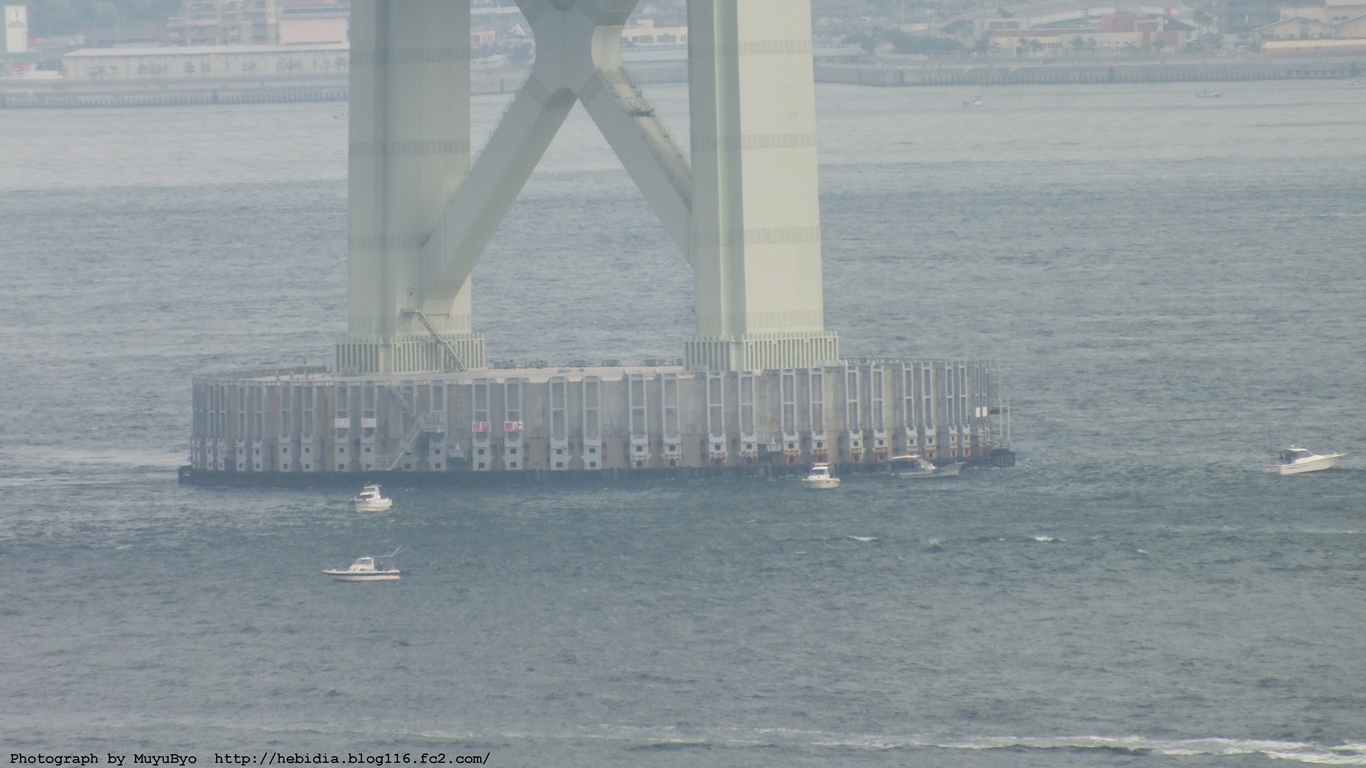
(367,568)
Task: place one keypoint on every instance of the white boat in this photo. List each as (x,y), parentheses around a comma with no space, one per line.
(1209,94)
(820,478)
(1297,461)
(975,101)
(370,500)
(912,466)
(366,569)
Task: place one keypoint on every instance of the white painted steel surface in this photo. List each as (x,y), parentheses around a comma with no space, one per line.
(578,57)
(756,238)
(409,151)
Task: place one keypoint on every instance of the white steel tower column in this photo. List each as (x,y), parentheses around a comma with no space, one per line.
(755,235)
(409,152)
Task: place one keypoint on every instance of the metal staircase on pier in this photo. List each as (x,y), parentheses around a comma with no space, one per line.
(446,345)
(417,424)
(406,402)
(427,422)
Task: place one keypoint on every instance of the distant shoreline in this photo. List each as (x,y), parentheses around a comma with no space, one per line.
(1164,70)
(59,94)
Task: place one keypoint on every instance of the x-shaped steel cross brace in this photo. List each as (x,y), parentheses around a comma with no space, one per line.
(578,58)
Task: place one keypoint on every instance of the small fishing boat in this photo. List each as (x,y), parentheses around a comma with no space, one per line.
(820,478)
(366,568)
(1209,94)
(1297,461)
(370,500)
(913,466)
(975,101)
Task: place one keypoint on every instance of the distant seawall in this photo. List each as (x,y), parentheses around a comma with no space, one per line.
(59,94)
(1175,70)
(28,94)
(40,94)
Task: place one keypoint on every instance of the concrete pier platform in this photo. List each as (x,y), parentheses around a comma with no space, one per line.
(305,426)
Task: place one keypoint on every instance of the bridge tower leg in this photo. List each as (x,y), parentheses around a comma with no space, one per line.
(755,237)
(409,151)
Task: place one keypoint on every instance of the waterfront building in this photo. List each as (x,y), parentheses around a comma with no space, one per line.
(1245,17)
(644,34)
(1110,34)
(1316,29)
(259,22)
(218,62)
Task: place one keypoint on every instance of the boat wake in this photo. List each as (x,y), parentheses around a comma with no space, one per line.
(1302,752)
(649,738)
(1343,754)
(638,738)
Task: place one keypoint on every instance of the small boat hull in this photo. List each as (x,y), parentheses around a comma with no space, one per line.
(947,470)
(1315,464)
(913,467)
(365,568)
(355,577)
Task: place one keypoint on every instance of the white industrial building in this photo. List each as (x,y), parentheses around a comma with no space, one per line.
(207,62)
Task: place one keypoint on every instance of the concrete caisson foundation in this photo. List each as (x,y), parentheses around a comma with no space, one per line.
(644,418)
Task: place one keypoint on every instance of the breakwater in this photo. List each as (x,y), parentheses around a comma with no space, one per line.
(67,94)
(1014,72)
(63,94)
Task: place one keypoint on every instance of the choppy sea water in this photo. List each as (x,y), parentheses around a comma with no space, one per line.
(1172,285)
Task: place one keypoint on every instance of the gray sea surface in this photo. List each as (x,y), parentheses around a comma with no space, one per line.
(1174,286)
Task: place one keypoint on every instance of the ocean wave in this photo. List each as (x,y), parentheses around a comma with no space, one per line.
(1349,753)
(1304,752)
(668,737)
(1294,751)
